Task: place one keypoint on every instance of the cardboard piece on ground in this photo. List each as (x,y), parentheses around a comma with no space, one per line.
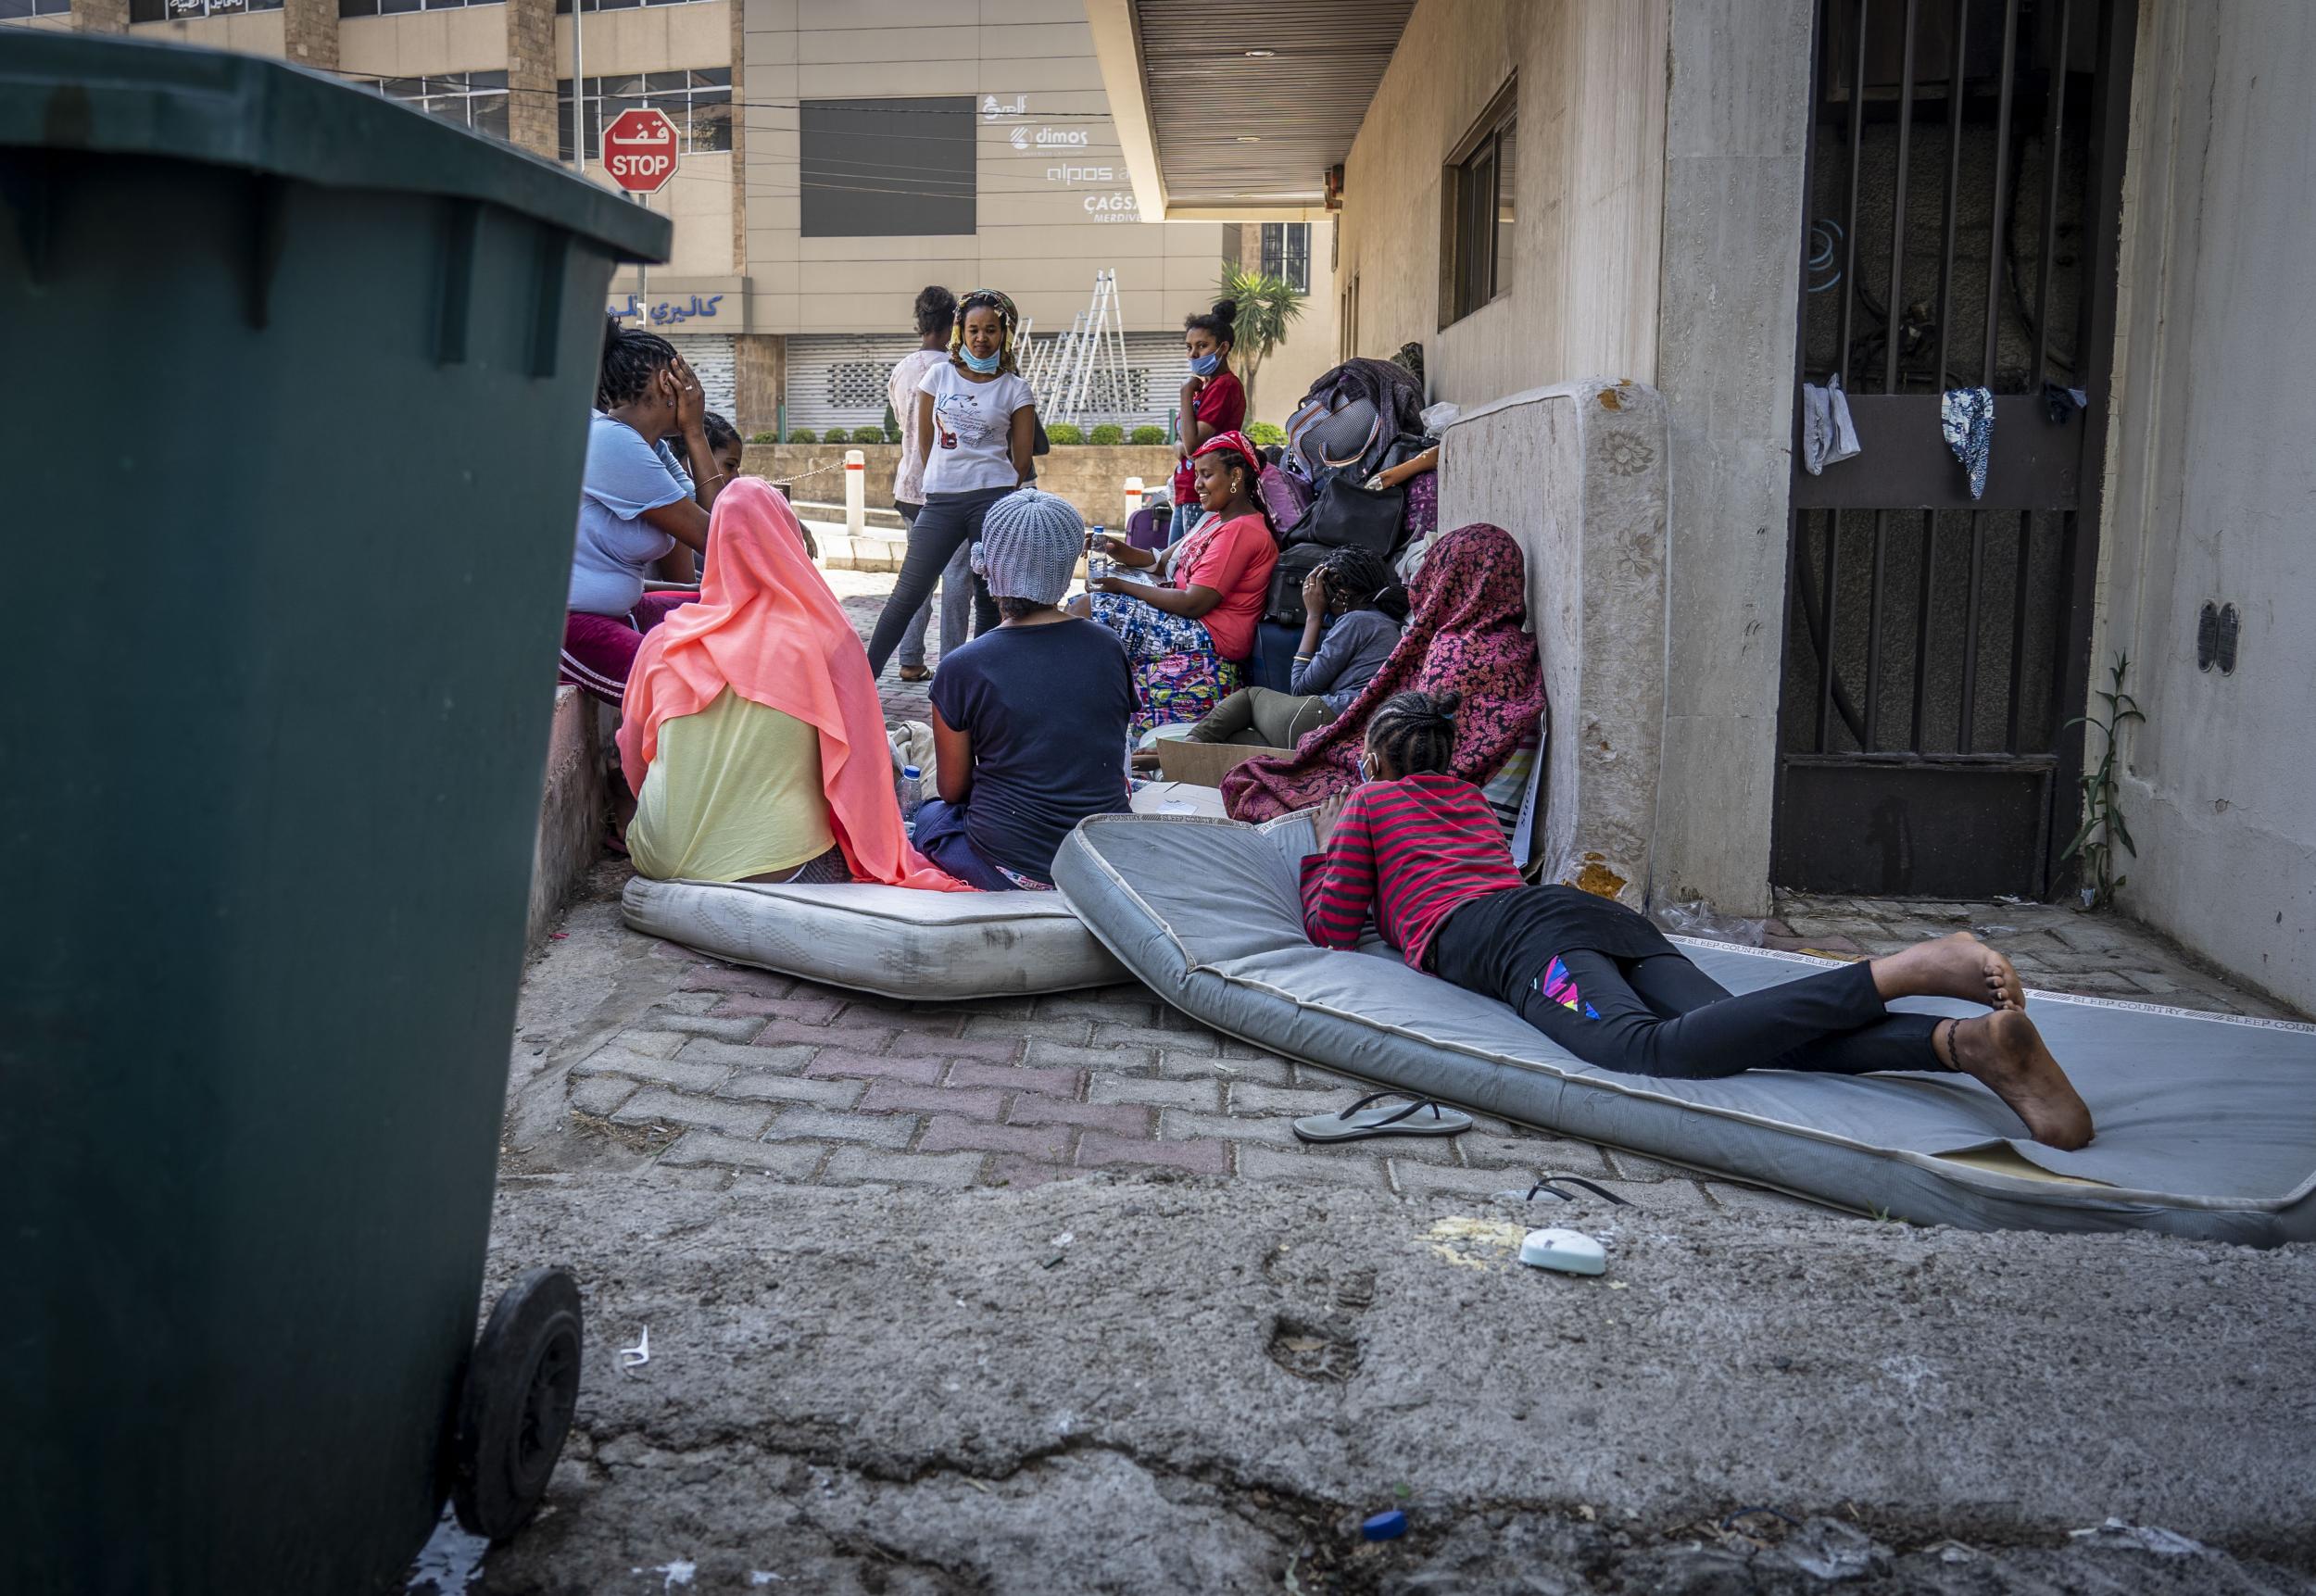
(1203,764)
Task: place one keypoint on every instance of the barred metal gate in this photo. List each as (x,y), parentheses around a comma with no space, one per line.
(1964,174)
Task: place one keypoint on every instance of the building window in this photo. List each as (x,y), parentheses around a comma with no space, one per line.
(699,103)
(476,101)
(11,10)
(887,168)
(1286,253)
(149,10)
(1477,225)
(562,8)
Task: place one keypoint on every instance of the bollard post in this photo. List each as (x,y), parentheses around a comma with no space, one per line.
(1133,497)
(855,493)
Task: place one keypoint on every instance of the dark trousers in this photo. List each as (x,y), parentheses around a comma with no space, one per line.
(947,524)
(1663,1016)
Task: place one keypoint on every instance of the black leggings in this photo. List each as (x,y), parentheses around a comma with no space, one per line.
(1661,1015)
(948,522)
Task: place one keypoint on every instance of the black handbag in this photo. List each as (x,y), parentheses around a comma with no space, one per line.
(1345,515)
(1297,560)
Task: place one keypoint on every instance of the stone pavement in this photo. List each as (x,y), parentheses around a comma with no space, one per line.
(2056,948)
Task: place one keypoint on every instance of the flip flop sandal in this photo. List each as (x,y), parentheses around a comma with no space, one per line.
(915,673)
(1417,1116)
(1554,1183)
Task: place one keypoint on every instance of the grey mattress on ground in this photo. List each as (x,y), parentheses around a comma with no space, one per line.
(2206,1124)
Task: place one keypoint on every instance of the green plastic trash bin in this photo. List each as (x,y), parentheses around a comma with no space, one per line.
(301,381)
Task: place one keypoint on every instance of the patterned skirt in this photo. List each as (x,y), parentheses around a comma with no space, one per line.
(1177,675)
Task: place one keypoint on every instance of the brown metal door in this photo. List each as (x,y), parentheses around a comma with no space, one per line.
(1964,175)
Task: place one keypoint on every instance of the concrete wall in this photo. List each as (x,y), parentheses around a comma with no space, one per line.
(1658,208)
(1092,477)
(423,43)
(1576,474)
(2211,485)
(1736,122)
(1588,206)
(251,33)
(1037,238)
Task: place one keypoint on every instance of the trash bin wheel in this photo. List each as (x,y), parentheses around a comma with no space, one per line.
(515,1408)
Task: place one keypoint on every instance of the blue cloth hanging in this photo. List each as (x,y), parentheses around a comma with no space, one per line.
(1968,415)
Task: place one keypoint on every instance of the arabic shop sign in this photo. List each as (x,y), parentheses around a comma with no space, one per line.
(668,312)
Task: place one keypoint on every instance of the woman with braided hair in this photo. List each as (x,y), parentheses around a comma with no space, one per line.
(979,423)
(1357,598)
(1421,851)
(643,510)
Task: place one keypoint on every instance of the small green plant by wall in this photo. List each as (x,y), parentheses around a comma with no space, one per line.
(1148,435)
(1263,434)
(1065,433)
(868,434)
(803,435)
(892,424)
(2103,829)
(1109,433)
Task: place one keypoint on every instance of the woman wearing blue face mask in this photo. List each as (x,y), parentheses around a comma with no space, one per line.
(978,421)
(1214,401)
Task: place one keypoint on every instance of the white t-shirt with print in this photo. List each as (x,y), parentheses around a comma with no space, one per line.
(971,447)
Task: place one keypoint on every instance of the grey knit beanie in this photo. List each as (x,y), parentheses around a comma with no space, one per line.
(1030,542)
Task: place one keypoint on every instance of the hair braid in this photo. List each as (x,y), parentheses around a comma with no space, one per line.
(631,360)
(1415,733)
(1362,580)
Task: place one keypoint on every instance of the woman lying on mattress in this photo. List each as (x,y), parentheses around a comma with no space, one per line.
(1423,851)
(751,733)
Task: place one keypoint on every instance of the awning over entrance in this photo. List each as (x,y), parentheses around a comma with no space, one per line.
(1233,110)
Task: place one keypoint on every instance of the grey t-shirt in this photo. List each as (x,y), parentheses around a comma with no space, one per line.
(1349,656)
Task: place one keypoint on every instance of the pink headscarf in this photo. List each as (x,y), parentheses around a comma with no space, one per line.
(767,627)
(1465,633)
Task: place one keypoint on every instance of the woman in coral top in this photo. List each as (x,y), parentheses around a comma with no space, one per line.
(1187,634)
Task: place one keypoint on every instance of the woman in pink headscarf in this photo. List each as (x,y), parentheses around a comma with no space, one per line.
(752,736)
(1467,634)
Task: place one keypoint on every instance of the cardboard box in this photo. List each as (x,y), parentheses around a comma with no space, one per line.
(1203,764)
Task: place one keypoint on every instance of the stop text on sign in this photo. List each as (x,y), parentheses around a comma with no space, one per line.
(639,150)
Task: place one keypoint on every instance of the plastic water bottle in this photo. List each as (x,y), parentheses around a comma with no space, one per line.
(909,790)
(1097,558)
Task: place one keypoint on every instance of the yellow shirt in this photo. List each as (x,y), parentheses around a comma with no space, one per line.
(734,791)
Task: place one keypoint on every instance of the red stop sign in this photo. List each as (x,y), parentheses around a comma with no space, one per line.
(639,150)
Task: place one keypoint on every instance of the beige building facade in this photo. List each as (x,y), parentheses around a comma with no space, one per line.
(836,157)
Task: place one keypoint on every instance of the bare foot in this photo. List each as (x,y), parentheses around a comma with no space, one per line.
(1957,966)
(2004,1052)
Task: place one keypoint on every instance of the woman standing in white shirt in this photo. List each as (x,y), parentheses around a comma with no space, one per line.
(979,420)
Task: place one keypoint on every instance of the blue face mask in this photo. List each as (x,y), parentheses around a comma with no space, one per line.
(1206,364)
(976,363)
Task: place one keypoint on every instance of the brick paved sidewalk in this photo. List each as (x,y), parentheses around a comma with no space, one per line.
(738,1070)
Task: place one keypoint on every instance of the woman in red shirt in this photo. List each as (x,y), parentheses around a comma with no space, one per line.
(1188,635)
(1214,401)
(1422,852)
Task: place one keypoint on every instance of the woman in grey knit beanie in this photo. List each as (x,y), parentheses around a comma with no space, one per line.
(1029,720)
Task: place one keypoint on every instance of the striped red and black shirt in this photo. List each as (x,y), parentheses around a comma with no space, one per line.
(1413,850)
